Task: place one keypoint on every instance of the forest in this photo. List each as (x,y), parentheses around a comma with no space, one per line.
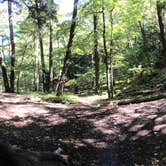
(83,82)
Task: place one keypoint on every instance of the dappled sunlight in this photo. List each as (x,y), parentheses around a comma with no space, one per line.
(21,123)
(55,120)
(143,133)
(136,127)
(158,128)
(92,100)
(137,130)
(14,98)
(23,114)
(161,119)
(24,110)
(108,131)
(136,118)
(105,130)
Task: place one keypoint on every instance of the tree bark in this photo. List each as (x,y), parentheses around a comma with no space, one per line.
(51,69)
(61,81)
(96,54)
(42,61)
(138,99)
(110,67)
(12,43)
(4,74)
(18,75)
(36,75)
(108,78)
(162,53)
(145,44)
(39,29)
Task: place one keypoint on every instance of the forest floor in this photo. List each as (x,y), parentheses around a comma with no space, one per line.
(92,133)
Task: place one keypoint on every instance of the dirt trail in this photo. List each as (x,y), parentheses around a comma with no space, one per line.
(91,134)
(92,100)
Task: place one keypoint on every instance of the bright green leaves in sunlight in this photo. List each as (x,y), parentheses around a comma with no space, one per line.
(131,38)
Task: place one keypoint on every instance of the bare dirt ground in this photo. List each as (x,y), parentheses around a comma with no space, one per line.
(90,134)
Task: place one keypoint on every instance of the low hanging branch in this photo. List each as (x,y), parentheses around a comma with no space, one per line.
(60,84)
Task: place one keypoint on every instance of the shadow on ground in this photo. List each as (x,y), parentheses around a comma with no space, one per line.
(126,136)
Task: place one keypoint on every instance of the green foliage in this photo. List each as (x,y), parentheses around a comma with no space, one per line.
(79,64)
(50,97)
(132,56)
(84,81)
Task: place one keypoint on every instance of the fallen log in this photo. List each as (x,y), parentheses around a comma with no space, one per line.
(140,99)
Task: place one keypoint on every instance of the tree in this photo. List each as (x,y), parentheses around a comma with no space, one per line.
(11,87)
(44,13)
(37,12)
(12,43)
(52,11)
(20,65)
(123,39)
(106,54)
(36,74)
(96,57)
(60,84)
(162,52)
(4,74)
(110,67)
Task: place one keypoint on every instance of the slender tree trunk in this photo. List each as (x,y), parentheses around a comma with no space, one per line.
(110,66)
(129,44)
(4,74)
(2,41)
(51,69)
(42,60)
(39,29)
(36,75)
(145,44)
(12,43)
(96,54)
(60,84)
(108,74)
(19,72)
(162,55)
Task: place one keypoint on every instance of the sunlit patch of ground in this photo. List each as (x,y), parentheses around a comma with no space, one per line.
(91,134)
(92,100)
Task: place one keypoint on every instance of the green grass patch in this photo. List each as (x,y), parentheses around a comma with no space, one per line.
(51,97)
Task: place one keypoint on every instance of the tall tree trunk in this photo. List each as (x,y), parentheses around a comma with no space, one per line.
(39,29)
(145,44)
(110,66)
(2,47)
(96,54)
(12,43)
(51,69)
(108,74)
(19,72)
(36,75)
(4,74)
(60,84)
(42,59)
(162,54)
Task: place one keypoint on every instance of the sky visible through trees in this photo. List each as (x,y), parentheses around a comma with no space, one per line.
(111,43)
(86,75)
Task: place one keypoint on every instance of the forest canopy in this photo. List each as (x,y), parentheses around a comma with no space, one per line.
(100,46)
